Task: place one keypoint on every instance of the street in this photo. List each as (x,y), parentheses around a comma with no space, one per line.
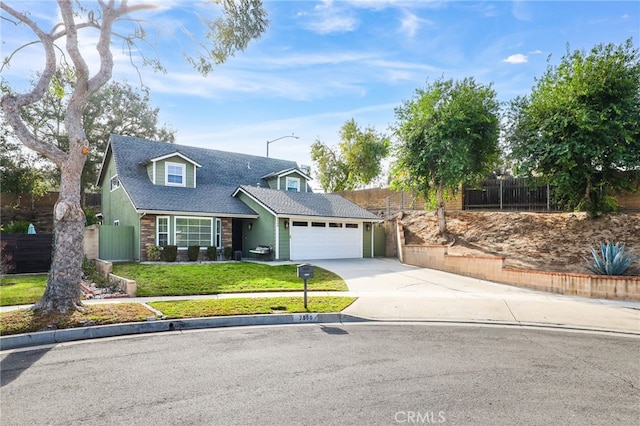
(314,374)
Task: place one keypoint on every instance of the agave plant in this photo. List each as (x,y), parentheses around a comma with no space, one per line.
(612,260)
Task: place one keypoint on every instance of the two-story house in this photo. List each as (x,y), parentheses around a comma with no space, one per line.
(181,195)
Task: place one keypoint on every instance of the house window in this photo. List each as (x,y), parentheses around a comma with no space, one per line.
(116,223)
(351,225)
(115,183)
(218,233)
(175,174)
(293,184)
(191,231)
(162,231)
(319,224)
(335,225)
(297,223)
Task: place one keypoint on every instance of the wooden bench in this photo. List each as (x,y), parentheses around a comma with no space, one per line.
(262,251)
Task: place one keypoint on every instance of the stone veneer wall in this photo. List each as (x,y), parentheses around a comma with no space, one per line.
(492,268)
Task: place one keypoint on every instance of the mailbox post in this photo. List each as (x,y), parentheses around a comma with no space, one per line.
(305,271)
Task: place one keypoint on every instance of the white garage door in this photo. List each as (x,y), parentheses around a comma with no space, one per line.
(325,240)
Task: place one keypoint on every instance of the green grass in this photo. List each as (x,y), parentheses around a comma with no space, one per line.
(212,278)
(22,289)
(27,321)
(248,306)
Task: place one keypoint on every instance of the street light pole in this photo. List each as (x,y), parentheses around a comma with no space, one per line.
(277,139)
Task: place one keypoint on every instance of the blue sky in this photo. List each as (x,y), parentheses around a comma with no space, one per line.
(321,63)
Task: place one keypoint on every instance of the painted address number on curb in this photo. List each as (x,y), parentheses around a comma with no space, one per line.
(305,317)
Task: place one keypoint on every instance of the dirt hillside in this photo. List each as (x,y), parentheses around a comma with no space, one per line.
(542,241)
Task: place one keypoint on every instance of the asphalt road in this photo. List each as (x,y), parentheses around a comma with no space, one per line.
(359,374)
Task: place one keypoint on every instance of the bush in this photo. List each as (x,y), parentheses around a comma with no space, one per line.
(90,217)
(228,253)
(212,253)
(193,252)
(91,273)
(17,227)
(154,253)
(612,260)
(169,253)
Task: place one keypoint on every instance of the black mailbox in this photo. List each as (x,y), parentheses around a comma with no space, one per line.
(305,271)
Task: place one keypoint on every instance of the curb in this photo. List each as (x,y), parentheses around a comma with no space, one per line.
(95,332)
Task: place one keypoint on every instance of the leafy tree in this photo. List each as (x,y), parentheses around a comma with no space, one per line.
(580,127)
(448,135)
(355,162)
(239,23)
(117,108)
(18,173)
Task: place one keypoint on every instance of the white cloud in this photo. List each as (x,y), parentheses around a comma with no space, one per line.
(521,11)
(411,23)
(518,58)
(536,52)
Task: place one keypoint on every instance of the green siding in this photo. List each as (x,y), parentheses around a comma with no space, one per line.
(262,230)
(285,248)
(117,206)
(273,183)
(160,171)
(366,240)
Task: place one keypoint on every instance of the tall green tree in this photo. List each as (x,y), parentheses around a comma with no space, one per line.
(448,135)
(580,127)
(356,161)
(18,172)
(117,108)
(80,23)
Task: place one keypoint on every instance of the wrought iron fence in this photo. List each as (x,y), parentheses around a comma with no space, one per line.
(509,194)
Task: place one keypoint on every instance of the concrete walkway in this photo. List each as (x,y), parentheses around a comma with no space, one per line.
(391,291)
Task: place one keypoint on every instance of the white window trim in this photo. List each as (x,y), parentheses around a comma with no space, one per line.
(215,233)
(113,188)
(166,174)
(158,229)
(175,230)
(292,179)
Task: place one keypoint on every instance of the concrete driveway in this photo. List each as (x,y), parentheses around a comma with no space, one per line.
(390,290)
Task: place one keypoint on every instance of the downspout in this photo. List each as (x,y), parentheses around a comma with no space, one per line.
(277,243)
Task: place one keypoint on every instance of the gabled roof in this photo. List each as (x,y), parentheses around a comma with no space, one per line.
(171,155)
(291,203)
(220,175)
(287,172)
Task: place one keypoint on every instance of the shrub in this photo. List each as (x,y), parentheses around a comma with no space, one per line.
(228,253)
(193,252)
(212,253)
(169,253)
(17,227)
(154,253)
(90,217)
(91,273)
(612,260)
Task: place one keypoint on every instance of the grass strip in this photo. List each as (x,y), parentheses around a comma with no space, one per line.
(248,306)
(28,321)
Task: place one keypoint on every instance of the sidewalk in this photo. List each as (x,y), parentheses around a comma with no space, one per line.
(388,290)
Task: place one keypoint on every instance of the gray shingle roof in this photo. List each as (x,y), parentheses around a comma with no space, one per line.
(308,204)
(218,178)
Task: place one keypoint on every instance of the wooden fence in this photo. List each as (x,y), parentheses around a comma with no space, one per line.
(509,194)
(27,253)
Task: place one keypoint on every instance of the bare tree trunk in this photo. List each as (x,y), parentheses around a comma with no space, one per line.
(63,284)
(442,221)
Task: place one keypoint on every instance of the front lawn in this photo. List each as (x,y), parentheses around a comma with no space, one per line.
(214,278)
(22,289)
(249,306)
